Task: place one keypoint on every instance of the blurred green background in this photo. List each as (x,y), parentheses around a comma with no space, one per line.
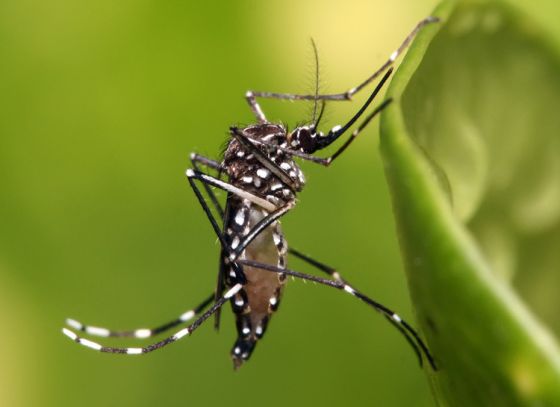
(101,104)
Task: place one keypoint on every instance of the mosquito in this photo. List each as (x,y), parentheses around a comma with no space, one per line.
(262,181)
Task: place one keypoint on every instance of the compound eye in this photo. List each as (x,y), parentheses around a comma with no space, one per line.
(306,141)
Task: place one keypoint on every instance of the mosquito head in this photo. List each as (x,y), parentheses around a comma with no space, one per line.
(308,140)
(305,139)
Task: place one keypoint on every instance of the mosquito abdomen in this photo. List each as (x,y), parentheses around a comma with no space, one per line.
(260,296)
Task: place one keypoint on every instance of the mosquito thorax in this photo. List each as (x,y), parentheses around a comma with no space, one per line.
(246,171)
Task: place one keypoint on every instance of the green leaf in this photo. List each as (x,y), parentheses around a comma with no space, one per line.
(471,149)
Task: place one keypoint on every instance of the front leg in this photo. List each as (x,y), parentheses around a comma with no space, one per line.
(252,96)
(255,107)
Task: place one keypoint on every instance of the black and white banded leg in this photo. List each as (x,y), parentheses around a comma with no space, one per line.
(215,182)
(403,326)
(252,96)
(331,271)
(140,333)
(158,345)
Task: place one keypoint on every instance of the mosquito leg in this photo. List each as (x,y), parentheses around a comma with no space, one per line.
(254,105)
(355,133)
(393,57)
(158,345)
(411,342)
(337,131)
(297,153)
(186,316)
(141,332)
(263,203)
(208,162)
(412,336)
(331,271)
(220,286)
(251,96)
(198,159)
(191,175)
(240,277)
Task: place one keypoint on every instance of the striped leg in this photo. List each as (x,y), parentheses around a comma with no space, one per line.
(158,345)
(140,333)
(263,203)
(331,271)
(404,328)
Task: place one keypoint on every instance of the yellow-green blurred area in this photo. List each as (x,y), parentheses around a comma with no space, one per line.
(100,105)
